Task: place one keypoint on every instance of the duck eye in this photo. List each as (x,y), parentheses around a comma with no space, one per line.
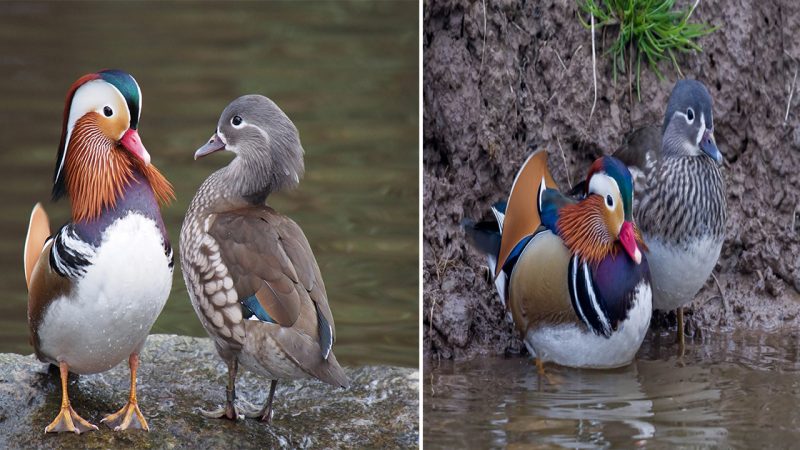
(609,201)
(690,115)
(236,121)
(107,111)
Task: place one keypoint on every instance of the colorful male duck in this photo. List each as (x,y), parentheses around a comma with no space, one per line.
(98,284)
(682,209)
(250,273)
(570,272)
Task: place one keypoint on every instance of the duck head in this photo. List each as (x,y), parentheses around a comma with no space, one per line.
(269,156)
(688,128)
(100,146)
(594,226)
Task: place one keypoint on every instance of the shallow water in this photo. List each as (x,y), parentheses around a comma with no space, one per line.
(347,75)
(728,390)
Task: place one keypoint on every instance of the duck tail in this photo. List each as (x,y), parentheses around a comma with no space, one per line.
(486,237)
(332,373)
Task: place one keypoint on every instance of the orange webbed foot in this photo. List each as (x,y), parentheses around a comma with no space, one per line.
(543,375)
(69,421)
(129,417)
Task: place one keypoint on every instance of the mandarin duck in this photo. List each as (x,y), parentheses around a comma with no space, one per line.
(97,285)
(570,272)
(682,209)
(250,272)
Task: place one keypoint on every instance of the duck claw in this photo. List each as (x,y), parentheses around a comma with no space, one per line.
(227,411)
(252,411)
(249,410)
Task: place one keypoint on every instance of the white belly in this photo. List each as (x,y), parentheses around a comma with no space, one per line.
(677,274)
(574,346)
(112,308)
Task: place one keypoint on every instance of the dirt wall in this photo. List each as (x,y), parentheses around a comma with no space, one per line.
(503,78)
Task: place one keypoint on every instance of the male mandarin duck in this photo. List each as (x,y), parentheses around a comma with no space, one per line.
(97,285)
(570,272)
(682,210)
(250,272)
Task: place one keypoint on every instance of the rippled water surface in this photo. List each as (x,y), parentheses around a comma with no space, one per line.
(347,75)
(728,390)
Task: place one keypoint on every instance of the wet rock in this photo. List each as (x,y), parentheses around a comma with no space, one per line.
(180,374)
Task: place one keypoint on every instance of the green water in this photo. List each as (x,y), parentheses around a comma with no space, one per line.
(345,73)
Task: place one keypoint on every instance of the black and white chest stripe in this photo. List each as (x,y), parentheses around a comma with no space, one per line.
(586,300)
(70,255)
(168,252)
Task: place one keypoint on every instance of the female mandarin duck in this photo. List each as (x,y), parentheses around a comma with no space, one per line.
(250,273)
(682,210)
(98,284)
(571,272)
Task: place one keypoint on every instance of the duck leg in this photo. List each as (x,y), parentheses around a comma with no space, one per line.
(264,414)
(539,366)
(130,416)
(681,340)
(229,410)
(67,419)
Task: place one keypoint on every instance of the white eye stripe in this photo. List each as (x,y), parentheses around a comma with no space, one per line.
(91,96)
(702,129)
(604,186)
(263,133)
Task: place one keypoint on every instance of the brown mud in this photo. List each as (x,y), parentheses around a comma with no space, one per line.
(502,78)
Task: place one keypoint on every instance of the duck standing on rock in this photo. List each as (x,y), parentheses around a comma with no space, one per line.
(570,272)
(97,285)
(682,209)
(250,272)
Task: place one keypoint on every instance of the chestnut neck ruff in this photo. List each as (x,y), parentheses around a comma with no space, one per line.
(584,230)
(98,170)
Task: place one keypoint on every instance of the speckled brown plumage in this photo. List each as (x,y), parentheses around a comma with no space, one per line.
(231,255)
(235,250)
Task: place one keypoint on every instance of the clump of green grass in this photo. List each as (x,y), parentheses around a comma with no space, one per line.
(649,30)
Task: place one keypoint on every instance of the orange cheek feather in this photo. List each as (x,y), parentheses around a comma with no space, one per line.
(584,229)
(111,127)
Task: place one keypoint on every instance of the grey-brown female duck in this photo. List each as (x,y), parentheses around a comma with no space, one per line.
(250,273)
(682,210)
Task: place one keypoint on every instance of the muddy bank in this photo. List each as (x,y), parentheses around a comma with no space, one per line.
(180,374)
(501,78)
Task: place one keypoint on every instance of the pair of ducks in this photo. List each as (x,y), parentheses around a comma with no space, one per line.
(577,275)
(97,285)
